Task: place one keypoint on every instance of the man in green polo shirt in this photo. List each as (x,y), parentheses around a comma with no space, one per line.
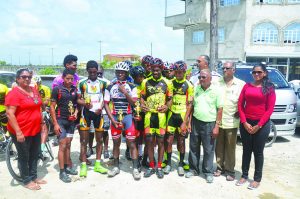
(207,115)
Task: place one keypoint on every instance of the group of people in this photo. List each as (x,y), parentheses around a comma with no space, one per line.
(153,104)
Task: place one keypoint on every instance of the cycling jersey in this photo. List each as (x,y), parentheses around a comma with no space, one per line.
(119,100)
(3,92)
(155,94)
(45,93)
(62,96)
(182,93)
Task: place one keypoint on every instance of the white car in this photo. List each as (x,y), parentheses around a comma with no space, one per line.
(295,84)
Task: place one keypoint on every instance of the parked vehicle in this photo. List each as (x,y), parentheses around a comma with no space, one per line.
(7,78)
(296,86)
(284,116)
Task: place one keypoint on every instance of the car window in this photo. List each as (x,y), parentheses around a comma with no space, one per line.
(275,77)
(7,79)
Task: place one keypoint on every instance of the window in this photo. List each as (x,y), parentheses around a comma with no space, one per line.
(198,37)
(265,33)
(293,1)
(269,1)
(229,2)
(221,35)
(292,34)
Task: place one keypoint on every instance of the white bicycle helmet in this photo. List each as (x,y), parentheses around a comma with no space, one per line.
(122,66)
(37,79)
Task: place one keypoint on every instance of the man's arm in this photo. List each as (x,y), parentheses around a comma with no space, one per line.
(215,131)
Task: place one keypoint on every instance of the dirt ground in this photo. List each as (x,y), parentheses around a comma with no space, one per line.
(281,179)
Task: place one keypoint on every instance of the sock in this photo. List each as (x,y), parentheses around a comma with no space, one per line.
(65,166)
(159,165)
(151,165)
(116,162)
(97,160)
(181,158)
(43,147)
(83,163)
(140,150)
(169,155)
(135,163)
(61,170)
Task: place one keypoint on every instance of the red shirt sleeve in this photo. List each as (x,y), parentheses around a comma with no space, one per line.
(271,99)
(241,104)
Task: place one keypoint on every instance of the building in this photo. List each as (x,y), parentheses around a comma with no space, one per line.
(248,30)
(121,57)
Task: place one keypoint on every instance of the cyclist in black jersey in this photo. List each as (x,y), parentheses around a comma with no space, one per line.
(146,63)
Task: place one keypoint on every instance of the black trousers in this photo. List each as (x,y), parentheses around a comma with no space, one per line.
(254,143)
(201,133)
(28,153)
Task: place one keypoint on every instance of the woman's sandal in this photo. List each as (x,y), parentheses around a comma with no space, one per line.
(32,186)
(253,185)
(230,178)
(241,182)
(40,181)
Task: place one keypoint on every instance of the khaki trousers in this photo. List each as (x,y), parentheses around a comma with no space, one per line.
(225,150)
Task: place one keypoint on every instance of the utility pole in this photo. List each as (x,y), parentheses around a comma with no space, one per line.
(100,51)
(213,34)
(151,49)
(29,58)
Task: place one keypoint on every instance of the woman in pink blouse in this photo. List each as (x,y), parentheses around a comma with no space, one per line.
(255,105)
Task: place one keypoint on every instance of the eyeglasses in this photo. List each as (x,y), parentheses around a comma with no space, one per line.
(201,77)
(226,68)
(26,77)
(257,72)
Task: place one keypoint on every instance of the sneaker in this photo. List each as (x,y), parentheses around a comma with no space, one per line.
(190,174)
(160,173)
(71,171)
(89,152)
(113,172)
(149,172)
(167,169)
(99,168)
(64,177)
(83,170)
(127,154)
(209,179)
(180,171)
(106,154)
(136,174)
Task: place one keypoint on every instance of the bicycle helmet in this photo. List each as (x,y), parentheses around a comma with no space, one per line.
(137,70)
(37,79)
(122,66)
(157,62)
(146,60)
(168,66)
(180,65)
(129,63)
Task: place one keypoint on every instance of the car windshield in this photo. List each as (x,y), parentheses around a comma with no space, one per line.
(7,79)
(275,77)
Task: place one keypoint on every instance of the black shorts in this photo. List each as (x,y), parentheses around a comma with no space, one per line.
(86,118)
(67,128)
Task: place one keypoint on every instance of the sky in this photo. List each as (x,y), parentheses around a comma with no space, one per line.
(30,30)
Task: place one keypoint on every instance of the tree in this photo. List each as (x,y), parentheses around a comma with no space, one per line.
(2,63)
(47,71)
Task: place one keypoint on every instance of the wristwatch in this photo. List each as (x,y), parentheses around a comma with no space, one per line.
(218,122)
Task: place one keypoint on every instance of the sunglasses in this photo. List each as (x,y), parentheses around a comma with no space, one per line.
(226,68)
(26,77)
(201,77)
(257,72)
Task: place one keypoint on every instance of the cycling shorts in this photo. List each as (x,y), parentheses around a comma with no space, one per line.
(174,122)
(67,128)
(155,123)
(86,118)
(3,118)
(129,128)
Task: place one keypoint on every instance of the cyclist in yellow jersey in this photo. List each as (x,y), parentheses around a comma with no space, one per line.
(146,63)
(178,115)
(45,94)
(156,99)
(3,119)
